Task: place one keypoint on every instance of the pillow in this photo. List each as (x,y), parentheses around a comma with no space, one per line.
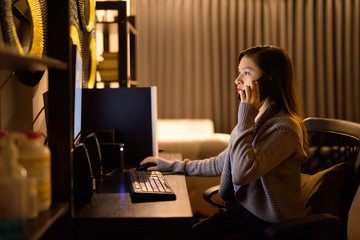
(322,191)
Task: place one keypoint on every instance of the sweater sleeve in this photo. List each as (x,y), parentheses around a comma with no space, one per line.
(279,140)
(208,167)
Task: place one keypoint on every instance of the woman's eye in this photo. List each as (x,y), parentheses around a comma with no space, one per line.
(245,73)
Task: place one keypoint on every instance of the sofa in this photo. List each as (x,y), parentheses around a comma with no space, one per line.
(193,139)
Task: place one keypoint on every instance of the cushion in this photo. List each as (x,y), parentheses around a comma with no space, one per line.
(184,127)
(322,191)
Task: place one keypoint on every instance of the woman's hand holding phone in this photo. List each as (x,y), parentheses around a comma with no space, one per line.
(259,89)
(251,95)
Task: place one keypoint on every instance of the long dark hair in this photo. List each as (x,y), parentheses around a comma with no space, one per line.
(275,62)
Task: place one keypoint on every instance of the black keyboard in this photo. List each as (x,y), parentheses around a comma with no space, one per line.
(149,186)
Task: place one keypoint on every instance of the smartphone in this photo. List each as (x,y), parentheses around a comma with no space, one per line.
(266,87)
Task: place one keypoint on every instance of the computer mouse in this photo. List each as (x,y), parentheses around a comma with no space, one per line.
(145,166)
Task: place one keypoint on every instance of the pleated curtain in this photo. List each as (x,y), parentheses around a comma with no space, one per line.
(189,50)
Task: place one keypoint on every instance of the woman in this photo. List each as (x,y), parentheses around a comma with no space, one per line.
(260,169)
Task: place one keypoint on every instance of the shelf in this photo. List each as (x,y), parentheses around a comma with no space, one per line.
(104,22)
(15,61)
(37,227)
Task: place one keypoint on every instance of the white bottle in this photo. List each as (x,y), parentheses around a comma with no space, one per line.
(36,158)
(33,209)
(13,192)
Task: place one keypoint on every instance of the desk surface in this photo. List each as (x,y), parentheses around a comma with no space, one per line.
(111,213)
(111,200)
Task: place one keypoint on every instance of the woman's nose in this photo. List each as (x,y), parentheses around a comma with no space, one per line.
(238,80)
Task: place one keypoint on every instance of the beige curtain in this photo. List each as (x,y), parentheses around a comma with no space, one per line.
(189,50)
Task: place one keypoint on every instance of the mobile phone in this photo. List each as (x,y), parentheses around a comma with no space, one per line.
(266,87)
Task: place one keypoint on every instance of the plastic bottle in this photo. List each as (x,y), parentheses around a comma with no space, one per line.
(36,158)
(13,192)
(3,134)
(33,209)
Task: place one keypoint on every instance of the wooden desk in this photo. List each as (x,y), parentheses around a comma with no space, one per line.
(111,212)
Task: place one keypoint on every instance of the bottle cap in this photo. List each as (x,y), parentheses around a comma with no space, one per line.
(3,133)
(33,135)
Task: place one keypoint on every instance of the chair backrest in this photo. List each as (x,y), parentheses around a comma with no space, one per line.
(333,141)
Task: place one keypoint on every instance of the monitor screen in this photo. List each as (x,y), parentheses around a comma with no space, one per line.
(77,60)
(130,112)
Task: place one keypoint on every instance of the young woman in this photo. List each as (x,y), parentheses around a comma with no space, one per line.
(260,169)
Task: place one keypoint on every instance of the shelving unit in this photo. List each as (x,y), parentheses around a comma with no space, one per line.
(15,61)
(39,226)
(120,21)
(55,222)
(60,110)
(9,60)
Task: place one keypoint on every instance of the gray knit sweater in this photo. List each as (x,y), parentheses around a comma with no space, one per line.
(261,165)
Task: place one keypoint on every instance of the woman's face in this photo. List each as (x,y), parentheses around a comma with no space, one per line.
(248,72)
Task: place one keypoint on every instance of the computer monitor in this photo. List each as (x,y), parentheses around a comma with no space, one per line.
(75,71)
(77,68)
(130,112)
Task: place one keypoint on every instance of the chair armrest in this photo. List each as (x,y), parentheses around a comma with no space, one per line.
(315,226)
(209,193)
